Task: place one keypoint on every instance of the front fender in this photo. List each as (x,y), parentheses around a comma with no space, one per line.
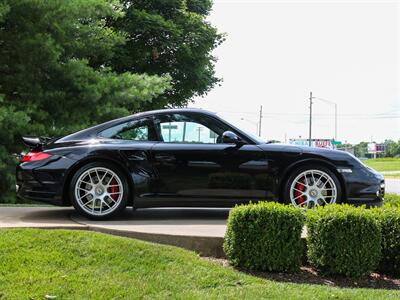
(286,173)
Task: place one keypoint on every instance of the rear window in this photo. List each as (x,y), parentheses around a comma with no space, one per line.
(137,130)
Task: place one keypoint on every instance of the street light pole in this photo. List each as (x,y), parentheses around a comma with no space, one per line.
(252,122)
(259,126)
(335,122)
(310,125)
(332,103)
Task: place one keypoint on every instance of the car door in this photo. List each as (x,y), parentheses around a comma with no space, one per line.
(133,140)
(194,167)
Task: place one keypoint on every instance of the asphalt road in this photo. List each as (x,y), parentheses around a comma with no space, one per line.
(393,186)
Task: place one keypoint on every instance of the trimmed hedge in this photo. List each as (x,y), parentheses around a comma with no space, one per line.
(343,240)
(391,200)
(389,219)
(265,237)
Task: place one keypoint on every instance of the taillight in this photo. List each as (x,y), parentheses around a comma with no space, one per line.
(34,156)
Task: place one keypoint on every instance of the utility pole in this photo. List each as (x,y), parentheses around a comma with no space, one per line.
(336,122)
(309,136)
(259,123)
(169,134)
(252,122)
(331,103)
(199,129)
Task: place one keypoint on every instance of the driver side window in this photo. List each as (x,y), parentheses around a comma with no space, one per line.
(179,128)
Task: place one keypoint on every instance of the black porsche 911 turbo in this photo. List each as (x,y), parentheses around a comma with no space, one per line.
(186,157)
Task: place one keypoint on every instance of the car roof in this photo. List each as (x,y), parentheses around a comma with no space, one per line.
(85,133)
(157,112)
(173,110)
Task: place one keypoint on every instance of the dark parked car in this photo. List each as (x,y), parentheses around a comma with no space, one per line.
(185,157)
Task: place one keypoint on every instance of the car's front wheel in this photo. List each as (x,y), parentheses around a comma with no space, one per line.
(99,190)
(311,186)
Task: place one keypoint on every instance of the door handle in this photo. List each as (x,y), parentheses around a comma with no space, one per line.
(136,158)
(165,158)
(136,155)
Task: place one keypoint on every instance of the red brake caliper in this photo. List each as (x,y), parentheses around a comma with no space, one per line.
(114,190)
(299,187)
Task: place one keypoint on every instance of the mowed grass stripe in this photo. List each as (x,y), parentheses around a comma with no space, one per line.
(88,265)
(384,164)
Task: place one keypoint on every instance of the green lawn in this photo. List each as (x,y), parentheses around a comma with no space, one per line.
(384,164)
(87,265)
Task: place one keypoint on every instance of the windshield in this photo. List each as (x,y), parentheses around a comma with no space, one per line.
(256,139)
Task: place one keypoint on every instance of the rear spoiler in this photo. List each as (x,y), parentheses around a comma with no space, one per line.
(36,143)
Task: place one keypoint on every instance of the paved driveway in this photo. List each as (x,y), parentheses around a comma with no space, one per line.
(201,230)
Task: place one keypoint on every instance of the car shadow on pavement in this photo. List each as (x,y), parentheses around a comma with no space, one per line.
(62,215)
(162,216)
(180,213)
(48,215)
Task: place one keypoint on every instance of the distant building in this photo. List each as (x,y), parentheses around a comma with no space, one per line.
(320,143)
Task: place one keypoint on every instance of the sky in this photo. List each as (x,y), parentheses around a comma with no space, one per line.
(276,52)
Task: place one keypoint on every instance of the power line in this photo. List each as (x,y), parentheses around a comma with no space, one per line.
(375,115)
(259,126)
(310,127)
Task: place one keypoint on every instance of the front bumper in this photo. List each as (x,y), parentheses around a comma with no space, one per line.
(367,202)
(365,186)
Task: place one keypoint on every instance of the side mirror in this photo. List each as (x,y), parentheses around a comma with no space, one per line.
(228,137)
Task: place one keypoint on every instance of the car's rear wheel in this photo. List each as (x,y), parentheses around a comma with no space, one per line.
(99,190)
(312,186)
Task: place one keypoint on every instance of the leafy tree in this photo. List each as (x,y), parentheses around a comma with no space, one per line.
(169,36)
(361,149)
(66,65)
(53,64)
(12,123)
(392,148)
(55,75)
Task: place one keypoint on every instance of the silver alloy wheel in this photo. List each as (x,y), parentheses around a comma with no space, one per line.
(99,191)
(313,188)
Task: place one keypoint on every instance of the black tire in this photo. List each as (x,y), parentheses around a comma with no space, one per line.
(299,170)
(118,207)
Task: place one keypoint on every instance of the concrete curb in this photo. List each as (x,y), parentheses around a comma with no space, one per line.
(203,245)
(191,235)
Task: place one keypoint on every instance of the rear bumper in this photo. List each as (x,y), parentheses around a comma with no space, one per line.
(34,190)
(33,193)
(42,181)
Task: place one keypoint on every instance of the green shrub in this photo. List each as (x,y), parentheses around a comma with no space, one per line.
(229,180)
(391,200)
(265,237)
(343,240)
(389,219)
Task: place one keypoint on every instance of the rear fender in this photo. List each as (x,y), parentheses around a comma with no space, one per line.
(89,159)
